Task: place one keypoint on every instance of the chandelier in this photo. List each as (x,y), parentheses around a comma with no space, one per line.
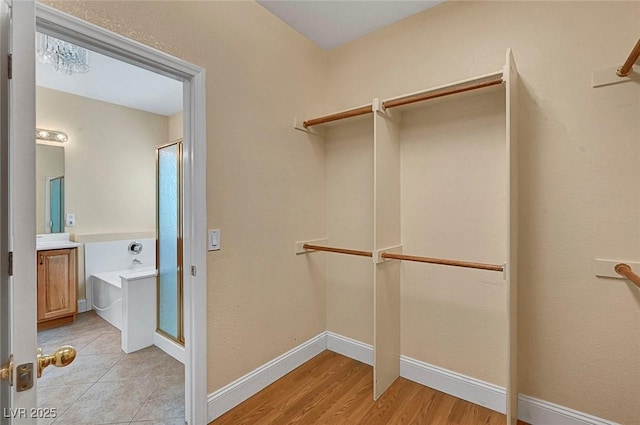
(65,57)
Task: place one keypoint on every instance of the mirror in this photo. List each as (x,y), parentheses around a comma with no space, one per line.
(49,189)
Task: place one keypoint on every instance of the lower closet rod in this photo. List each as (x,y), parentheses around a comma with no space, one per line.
(442,261)
(337,250)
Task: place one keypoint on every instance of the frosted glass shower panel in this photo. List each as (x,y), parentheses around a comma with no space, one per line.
(56,205)
(169,242)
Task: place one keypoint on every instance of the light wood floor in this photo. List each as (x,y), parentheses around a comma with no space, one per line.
(332,389)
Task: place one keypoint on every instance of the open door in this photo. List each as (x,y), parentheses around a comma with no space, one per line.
(18,344)
(5,323)
(18,221)
(17,203)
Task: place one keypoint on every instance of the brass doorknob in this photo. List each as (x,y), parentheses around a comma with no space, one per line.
(6,372)
(62,357)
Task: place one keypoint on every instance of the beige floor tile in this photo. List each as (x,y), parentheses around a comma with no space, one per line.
(84,370)
(60,397)
(106,343)
(107,403)
(105,386)
(150,361)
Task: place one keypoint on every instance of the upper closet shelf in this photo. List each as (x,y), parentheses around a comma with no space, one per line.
(470,84)
(349,113)
(474,83)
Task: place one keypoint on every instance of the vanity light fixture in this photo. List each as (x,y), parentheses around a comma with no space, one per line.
(51,135)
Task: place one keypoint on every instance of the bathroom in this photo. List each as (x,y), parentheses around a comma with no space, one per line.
(99,216)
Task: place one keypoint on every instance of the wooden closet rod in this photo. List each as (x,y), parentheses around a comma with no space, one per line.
(362,110)
(337,250)
(444,262)
(497,79)
(624,70)
(626,271)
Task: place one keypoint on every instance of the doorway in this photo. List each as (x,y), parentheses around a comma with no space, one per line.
(63,26)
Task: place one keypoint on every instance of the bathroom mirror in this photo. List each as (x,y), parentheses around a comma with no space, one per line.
(49,189)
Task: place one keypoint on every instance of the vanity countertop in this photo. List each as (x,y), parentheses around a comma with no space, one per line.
(54,241)
(43,246)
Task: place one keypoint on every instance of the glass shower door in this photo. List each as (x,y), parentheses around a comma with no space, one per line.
(56,205)
(169,241)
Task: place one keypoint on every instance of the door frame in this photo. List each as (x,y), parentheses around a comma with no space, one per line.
(54,22)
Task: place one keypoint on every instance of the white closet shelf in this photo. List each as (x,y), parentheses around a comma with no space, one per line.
(347,113)
(470,84)
(457,87)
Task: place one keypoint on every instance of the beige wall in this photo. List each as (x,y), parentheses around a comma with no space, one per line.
(579,335)
(265,181)
(109,163)
(176,128)
(350,225)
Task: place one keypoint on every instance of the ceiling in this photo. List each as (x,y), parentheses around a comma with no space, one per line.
(114,81)
(329,24)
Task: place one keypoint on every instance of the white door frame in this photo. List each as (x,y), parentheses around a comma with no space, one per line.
(54,22)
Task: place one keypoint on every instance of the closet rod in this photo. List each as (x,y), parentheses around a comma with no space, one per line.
(497,79)
(624,70)
(444,262)
(362,110)
(337,250)
(626,271)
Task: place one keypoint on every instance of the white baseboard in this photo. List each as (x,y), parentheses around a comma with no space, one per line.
(173,349)
(82,305)
(226,398)
(530,410)
(456,384)
(350,348)
(540,412)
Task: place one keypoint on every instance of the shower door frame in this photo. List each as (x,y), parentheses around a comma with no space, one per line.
(53,22)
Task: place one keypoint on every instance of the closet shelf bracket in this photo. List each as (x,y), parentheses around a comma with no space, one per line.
(614,75)
(378,258)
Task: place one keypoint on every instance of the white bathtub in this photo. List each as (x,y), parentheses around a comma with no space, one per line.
(114,295)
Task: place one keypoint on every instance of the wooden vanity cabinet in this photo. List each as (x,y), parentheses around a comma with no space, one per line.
(57,282)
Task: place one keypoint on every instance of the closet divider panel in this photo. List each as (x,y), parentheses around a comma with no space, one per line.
(454,205)
(511,273)
(387,237)
(349,174)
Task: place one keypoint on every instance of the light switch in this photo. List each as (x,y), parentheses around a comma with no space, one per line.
(213,240)
(71,220)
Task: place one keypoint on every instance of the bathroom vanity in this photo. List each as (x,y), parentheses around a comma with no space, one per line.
(56,262)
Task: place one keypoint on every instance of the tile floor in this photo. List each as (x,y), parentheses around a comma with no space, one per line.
(106,386)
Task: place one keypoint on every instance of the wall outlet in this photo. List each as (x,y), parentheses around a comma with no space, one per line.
(71,220)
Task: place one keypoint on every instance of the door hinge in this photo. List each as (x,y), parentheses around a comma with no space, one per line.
(194,271)
(11,264)
(10,64)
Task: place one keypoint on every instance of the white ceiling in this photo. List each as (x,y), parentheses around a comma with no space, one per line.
(114,81)
(330,24)
(327,23)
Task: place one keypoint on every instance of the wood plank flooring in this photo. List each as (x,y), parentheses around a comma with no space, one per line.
(331,389)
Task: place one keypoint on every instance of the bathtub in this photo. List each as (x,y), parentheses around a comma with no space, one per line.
(127,300)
